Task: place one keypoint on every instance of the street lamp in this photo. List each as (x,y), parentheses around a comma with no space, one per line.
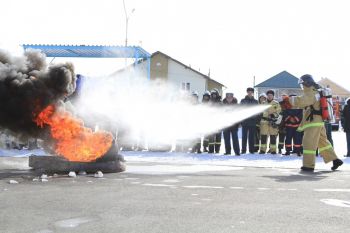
(127,17)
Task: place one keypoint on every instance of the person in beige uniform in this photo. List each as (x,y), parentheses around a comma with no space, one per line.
(267,124)
(313,126)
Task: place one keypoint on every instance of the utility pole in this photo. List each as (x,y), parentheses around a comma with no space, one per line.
(127,17)
(256,95)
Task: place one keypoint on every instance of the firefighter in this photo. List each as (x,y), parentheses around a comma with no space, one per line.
(205,100)
(293,117)
(269,123)
(313,125)
(231,101)
(282,129)
(262,100)
(215,138)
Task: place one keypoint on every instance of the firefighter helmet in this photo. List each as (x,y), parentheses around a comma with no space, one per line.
(194,93)
(229,92)
(262,95)
(206,93)
(347,101)
(214,91)
(307,80)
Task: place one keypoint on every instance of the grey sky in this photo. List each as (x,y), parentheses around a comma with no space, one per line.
(235,39)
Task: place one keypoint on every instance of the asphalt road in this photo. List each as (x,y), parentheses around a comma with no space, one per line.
(243,199)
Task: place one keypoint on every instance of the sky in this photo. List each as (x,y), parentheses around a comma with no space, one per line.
(236,40)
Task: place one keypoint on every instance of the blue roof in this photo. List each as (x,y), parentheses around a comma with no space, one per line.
(93,51)
(281,80)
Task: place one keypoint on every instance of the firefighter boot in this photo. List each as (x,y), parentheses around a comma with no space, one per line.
(263,144)
(306,169)
(287,153)
(217,148)
(336,163)
(211,149)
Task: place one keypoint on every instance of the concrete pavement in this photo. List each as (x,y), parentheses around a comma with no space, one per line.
(241,199)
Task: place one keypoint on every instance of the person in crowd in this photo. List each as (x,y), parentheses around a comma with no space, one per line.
(345,122)
(292,120)
(231,101)
(313,126)
(327,123)
(5,142)
(249,125)
(262,100)
(196,144)
(282,128)
(269,124)
(328,126)
(215,138)
(205,100)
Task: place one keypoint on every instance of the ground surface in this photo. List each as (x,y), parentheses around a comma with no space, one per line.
(168,197)
(179,192)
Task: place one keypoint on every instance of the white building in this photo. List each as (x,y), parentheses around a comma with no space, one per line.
(168,70)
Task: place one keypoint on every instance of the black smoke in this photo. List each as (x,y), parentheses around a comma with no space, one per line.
(27,86)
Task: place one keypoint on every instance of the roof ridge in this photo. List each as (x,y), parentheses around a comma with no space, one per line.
(283,79)
(186,66)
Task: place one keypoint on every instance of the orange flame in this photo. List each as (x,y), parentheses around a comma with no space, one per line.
(74,141)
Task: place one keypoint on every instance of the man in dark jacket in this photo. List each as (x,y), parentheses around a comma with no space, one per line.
(231,101)
(215,138)
(205,100)
(345,122)
(248,125)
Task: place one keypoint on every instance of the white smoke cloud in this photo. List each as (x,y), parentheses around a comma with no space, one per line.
(161,113)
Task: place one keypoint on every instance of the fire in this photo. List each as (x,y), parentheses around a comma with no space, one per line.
(72,140)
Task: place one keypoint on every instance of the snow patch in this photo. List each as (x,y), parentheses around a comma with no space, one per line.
(98,174)
(332,190)
(171,181)
(13,182)
(135,182)
(336,202)
(176,169)
(72,174)
(21,153)
(202,187)
(73,222)
(159,185)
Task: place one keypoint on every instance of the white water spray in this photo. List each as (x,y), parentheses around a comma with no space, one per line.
(160,113)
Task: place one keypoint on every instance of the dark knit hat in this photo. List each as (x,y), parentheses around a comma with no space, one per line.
(250,89)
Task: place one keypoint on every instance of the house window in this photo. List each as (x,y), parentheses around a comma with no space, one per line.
(185,86)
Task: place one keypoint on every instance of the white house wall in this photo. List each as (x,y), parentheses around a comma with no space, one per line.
(177,74)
